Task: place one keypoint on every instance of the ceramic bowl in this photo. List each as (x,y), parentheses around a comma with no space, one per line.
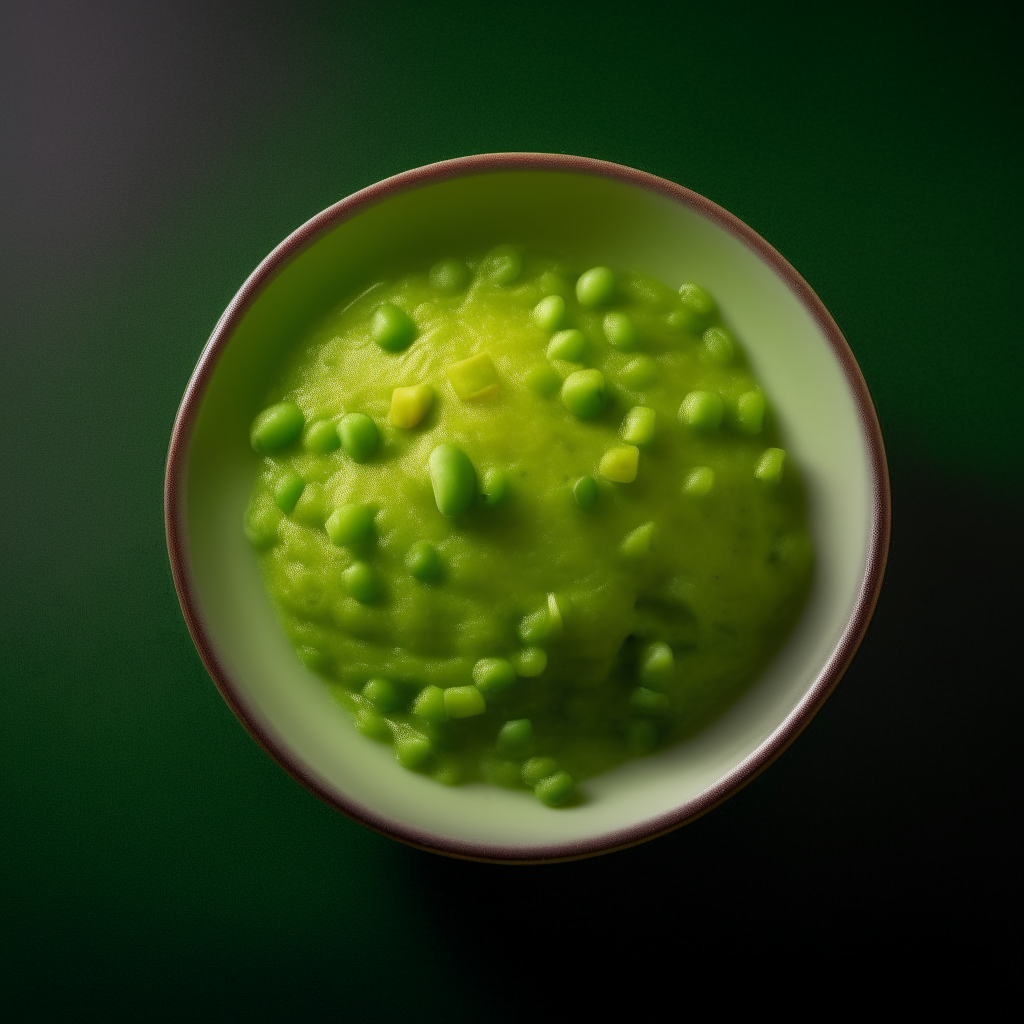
(591,212)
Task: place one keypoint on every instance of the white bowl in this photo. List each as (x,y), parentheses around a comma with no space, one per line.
(594,212)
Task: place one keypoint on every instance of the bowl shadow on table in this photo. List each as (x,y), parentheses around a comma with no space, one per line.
(891,812)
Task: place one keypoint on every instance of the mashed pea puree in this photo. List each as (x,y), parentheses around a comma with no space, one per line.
(527,522)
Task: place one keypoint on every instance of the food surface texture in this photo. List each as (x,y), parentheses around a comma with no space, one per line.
(528,520)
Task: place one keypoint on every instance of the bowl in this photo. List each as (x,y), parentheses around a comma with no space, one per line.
(592,212)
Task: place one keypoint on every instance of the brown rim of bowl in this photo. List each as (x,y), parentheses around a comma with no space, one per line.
(757,760)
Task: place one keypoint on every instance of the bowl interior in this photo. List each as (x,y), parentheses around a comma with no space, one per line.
(590,219)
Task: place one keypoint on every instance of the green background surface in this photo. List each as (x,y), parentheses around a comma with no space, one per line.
(155,861)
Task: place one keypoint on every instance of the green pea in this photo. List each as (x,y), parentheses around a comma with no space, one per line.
(371,725)
(260,526)
(503,264)
(423,561)
(555,790)
(453,479)
(311,508)
(750,412)
(499,771)
(699,481)
(569,345)
(276,427)
(392,328)
(287,491)
(585,491)
(702,410)
(638,426)
(641,736)
(361,582)
(429,705)
(640,373)
(543,380)
(637,543)
(493,487)
(620,331)
(414,752)
(449,276)
(595,287)
(550,312)
(538,768)
(382,694)
(530,662)
(350,525)
(646,701)
(696,298)
(321,437)
(493,676)
(656,665)
(685,319)
(515,737)
(359,436)
(719,346)
(464,702)
(537,627)
(584,393)
(769,466)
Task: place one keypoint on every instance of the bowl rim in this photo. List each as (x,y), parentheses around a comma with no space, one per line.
(753,764)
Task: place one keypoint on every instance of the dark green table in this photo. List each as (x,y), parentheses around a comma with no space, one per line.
(155,863)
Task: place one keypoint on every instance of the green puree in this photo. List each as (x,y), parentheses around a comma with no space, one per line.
(526,522)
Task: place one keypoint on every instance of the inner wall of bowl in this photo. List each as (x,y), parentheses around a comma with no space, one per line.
(590,220)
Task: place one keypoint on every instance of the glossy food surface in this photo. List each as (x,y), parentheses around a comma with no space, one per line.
(558,530)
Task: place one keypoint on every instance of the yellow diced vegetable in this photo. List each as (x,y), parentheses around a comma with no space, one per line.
(474,378)
(410,405)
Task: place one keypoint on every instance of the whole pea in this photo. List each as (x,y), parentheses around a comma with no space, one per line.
(493,487)
(697,299)
(620,331)
(423,562)
(361,582)
(595,287)
(550,312)
(392,328)
(382,694)
(449,276)
(503,265)
(530,662)
(514,737)
(493,676)
(699,481)
(555,790)
(321,437)
(414,752)
(702,410)
(719,346)
(429,705)
(276,427)
(288,490)
(464,702)
(569,345)
(538,768)
(769,466)
(350,525)
(585,491)
(453,479)
(584,393)
(359,436)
